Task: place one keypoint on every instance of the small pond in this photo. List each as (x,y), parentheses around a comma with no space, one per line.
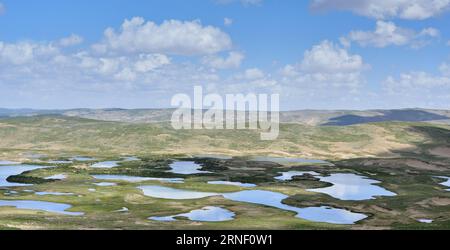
(206,214)
(51,207)
(54,193)
(106,164)
(82,158)
(186,167)
(7,171)
(105,184)
(266,198)
(352,187)
(287,176)
(445,183)
(56,177)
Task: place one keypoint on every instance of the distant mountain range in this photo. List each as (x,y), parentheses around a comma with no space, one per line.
(307,117)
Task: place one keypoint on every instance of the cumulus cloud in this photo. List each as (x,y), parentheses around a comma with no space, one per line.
(326,65)
(71,40)
(146,63)
(24,52)
(328,76)
(419,88)
(328,57)
(415,80)
(172,37)
(387,33)
(384,9)
(445,69)
(233,60)
(253,74)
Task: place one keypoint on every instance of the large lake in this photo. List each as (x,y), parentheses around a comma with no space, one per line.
(51,207)
(260,197)
(6,171)
(352,187)
(206,214)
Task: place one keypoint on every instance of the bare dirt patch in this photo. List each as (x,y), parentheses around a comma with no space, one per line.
(441,152)
(435,201)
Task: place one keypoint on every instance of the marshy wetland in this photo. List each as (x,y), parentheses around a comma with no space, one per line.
(161,192)
(387,175)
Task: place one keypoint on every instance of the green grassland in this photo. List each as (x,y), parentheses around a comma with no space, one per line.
(400,155)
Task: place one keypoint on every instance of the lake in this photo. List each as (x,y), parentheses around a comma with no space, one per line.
(445,183)
(51,207)
(6,171)
(352,187)
(54,193)
(206,214)
(186,168)
(82,158)
(106,164)
(287,176)
(260,197)
(56,177)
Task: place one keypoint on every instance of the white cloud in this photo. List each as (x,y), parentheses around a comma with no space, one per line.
(387,33)
(445,69)
(415,80)
(2,9)
(227,21)
(253,74)
(448,43)
(71,40)
(24,52)
(419,88)
(147,63)
(126,75)
(327,57)
(233,60)
(171,37)
(383,9)
(326,66)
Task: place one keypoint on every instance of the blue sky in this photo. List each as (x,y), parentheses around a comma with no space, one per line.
(317,54)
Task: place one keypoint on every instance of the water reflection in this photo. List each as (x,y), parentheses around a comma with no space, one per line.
(352,187)
(7,171)
(287,176)
(260,197)
(106,164)
(186,167)
(206,214)
(51,207)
